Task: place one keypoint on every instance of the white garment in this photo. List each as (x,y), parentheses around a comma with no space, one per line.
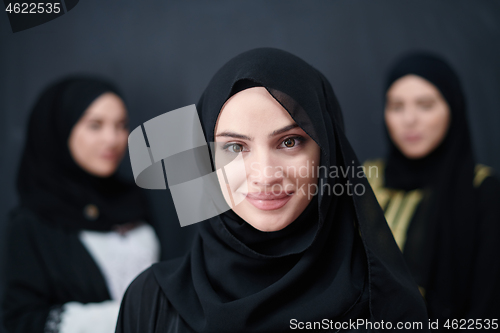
(120,258)
(89,318)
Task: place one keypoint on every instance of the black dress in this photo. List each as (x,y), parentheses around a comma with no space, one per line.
(153,310)
(404,208)
(45,268)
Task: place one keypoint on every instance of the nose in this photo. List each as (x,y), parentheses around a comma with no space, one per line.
(111,136)
(410,116)
(264,170)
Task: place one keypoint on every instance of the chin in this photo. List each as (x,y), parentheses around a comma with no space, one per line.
(268,226)
(103,172)
(415,154)
(266,222)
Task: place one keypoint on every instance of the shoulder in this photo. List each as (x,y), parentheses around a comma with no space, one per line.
(22,216)
(143,283)
(487,188)
(378,162)
(484,174)
(487,183)
(144,307)
(22,219)
(25,225)
(22,224)
(374,171)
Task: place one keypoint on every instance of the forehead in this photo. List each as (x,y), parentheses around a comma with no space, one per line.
(252,111)
(108,105)
(412,86)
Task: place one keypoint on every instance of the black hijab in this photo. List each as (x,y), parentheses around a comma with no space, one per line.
(440,242)
(335,261)
(52,185)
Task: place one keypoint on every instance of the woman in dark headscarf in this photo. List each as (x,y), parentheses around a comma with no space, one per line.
(442,208)
(284,258)
(79,236)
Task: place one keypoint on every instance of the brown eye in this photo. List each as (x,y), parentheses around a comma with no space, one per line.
(427,106)
(94,125)
(394,106)
(122,125)
(290,142)
(233,148)
(236,148)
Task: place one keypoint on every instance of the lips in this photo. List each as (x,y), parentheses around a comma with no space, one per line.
(268,201)
(412,138)
(109,156)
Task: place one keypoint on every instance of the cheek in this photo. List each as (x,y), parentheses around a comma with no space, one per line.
(391,121)
(303,170)
(230,170)
(437,124)
(81,145)
(232,177)
(84,148)
(123,140)
(91,145)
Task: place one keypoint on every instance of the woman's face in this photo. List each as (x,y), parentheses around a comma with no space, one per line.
(98,140)
(278,156)
(417,116)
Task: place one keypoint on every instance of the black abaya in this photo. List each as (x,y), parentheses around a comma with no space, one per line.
(46,268)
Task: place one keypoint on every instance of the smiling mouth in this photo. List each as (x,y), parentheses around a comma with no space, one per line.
(269,201)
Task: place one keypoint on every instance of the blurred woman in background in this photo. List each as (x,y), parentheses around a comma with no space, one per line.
(442,207)
(81,234)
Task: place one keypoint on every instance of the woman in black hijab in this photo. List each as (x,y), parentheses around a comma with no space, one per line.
(78,237)
(334,262)
(442,208)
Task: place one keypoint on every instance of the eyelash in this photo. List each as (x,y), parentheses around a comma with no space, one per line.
(94,126)
(299,140)
(97,126)
(427,106)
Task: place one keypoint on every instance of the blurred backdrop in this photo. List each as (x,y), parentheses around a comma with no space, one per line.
(163,53)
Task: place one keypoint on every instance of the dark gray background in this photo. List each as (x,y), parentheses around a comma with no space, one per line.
(162,55)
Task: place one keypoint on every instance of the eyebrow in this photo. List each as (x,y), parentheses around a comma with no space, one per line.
(234,135)
(244,137)
(426,99)
(419,99)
